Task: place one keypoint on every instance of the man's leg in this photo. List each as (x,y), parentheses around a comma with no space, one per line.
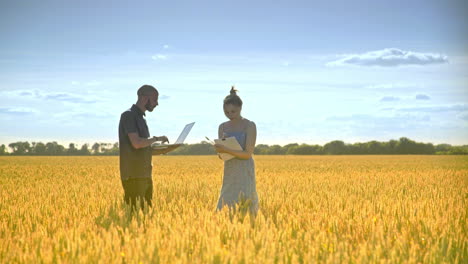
(149,192)
(129,192)
(144,190)
(127,186)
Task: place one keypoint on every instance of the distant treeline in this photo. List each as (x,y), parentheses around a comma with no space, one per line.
(337,147)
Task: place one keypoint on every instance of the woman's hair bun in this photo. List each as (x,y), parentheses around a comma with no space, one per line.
(233,91)
(233,98)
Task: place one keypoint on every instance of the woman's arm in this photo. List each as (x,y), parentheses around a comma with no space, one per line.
(220,135)
(220,131)
(249,144)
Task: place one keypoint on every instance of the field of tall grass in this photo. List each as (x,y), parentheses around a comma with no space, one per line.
(327,209)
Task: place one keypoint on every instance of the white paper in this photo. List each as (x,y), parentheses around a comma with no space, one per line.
(230,142)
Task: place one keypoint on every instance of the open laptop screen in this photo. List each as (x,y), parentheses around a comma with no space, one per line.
(184,133)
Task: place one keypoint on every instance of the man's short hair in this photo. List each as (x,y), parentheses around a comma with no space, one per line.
(146,90)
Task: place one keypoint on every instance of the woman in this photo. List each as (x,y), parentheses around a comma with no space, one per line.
(239,188)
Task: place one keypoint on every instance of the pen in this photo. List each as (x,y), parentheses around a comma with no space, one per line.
(209,140)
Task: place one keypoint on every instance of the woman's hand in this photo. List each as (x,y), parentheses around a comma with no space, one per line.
(220,148)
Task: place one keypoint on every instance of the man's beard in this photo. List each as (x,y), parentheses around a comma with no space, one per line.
(148,107)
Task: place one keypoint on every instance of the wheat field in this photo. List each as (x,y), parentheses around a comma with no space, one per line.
(325,209)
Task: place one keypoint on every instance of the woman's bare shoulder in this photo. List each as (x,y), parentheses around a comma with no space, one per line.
(222,125)
(249,123)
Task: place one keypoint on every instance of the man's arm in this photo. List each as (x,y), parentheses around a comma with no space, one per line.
(139,142)
(165,150)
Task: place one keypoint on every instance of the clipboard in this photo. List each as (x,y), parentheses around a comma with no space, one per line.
(230,142)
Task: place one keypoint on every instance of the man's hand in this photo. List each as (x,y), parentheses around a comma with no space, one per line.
(165,150)
(163,139)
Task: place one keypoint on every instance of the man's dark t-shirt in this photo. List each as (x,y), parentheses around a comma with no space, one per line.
(134,163)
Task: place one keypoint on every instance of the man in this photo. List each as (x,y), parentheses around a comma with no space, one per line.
(135,148)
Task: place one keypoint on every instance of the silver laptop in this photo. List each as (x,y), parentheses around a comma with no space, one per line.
(179,140)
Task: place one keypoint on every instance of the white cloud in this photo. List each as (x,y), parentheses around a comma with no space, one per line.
(365,125)
(433,109)
(90,83)
(396,98)
(423,97)
(394,86)
(159,57)
(17,110)
(380,120)
(390,57)
(389,99)
(22,93)
(93,83)
(463,116)
(166,46)
(67,97)
(74,115)
(55,96)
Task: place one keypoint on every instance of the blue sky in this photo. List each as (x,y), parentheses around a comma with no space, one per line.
(308,71)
